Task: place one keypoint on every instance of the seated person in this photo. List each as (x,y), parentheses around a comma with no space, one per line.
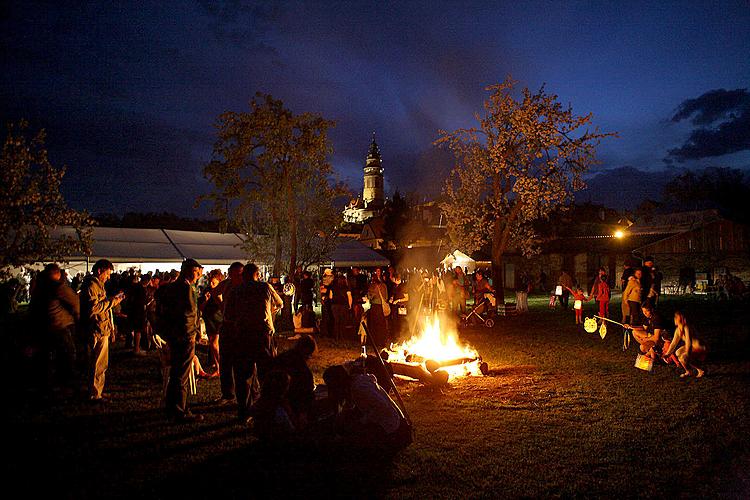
(301,386)
(271,413)
(369,416)
(648,335)
(481,287)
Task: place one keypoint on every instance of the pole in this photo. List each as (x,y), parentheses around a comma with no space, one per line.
(610,320)
(376,350)
(416,316)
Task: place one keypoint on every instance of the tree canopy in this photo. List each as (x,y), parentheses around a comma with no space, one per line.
(32,206)
(524,159)
(272,180)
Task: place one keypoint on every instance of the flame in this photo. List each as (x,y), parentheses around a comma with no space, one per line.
(438,344)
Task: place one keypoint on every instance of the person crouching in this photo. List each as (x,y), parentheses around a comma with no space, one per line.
(370,417)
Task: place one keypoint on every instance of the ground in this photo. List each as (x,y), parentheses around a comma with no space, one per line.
(562,413)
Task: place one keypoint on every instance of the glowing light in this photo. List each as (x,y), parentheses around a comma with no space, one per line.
(619,234)
(438,344)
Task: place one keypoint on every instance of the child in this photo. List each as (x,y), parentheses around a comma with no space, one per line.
(579,298)
(600,292)
(688,352)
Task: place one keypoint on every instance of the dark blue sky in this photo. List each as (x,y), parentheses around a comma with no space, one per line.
(128,94)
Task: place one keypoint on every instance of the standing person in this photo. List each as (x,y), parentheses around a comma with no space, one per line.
(326,314)
(179,317)
(358,287)
(225,289)
(459,290)
(305,291)
(377,325)
(98,324)
(646,279)
(653,283)
(399,302)
(579,298)
(567,283)
(56,310)
(136,311)
(627,272)
(600,292)
(153,286)
(210,305)
(522,293)
(341,303)
(297,282)
(249,329)
(632,296)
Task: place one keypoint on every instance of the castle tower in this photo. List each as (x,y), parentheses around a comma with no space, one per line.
(373,193)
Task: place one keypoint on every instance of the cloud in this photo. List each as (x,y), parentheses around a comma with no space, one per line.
(723,118)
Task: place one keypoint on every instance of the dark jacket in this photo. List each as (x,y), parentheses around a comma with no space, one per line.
(55,306)
(178,312)
(64,306)
(250,307)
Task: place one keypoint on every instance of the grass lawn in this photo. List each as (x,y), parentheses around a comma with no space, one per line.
(562,413)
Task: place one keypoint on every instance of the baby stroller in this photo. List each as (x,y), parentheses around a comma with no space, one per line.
(484,311)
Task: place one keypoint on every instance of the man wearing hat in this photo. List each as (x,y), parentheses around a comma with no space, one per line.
(179,318)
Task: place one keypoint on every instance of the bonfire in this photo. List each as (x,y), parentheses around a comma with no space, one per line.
(435,355)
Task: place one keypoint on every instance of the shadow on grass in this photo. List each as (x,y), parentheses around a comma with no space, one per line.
(300,470)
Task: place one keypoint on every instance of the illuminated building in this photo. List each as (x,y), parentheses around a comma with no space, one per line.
(372,202)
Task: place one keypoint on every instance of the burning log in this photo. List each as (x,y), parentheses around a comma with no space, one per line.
(437,378)
(432,365)
(414,358)
(436,352)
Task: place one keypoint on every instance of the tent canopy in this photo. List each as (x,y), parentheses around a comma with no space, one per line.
(350,252)
(458,259)
(129,245)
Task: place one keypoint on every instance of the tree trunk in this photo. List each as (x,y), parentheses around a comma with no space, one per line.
(292,215)
(498,280)
(287,321)
(498,248)
(277,240)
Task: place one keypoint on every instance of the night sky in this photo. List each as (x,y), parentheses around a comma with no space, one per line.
(129,94)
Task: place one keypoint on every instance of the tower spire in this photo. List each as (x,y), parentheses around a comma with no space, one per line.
(374,152)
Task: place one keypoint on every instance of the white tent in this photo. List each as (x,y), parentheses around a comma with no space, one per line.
(151,249)
(458,259)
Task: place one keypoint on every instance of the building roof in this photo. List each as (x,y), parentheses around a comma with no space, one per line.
(350,252)
(120,244)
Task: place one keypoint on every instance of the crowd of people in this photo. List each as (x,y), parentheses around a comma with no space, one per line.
(273,392)
(75,322)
